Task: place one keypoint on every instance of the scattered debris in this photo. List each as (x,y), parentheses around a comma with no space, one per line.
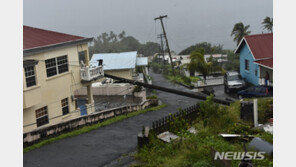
(266,127)
(167,136)
(229,135)
(192,130)
(261,145)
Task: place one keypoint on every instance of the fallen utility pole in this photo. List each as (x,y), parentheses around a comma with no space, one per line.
(182,93)
(166,40)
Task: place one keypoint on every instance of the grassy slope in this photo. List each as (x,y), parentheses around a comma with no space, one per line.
(195,149)
(86,129)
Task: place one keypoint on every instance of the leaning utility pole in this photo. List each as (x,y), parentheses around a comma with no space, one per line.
(161,46)
(166,40)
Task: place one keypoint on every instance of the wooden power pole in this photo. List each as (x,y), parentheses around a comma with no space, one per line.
(161,46)
(166,40)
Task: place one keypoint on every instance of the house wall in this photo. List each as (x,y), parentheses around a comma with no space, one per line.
(50,91)
(127,73)
(249,76)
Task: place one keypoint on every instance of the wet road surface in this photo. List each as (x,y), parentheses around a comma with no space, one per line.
(102,146)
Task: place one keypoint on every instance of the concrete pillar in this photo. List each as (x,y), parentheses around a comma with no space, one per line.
(86,56)
(89,86)
(89,94)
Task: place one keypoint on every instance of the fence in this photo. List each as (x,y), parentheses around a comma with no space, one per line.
(163,124)
(53,130)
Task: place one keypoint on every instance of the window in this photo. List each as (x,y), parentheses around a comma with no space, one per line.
(65,106)
(30,76)
(51,68)
(56,65)
(62,64)
(247,65)
(81,56)
(256,72)
(41,116)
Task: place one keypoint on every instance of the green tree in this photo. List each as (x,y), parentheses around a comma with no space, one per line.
(239,31)
(198,63)
(209,49)
(233,61)
(149,48)
(111,42)
(268,24)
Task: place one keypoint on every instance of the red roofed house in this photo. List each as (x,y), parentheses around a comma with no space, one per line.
(256,58)
(52,73)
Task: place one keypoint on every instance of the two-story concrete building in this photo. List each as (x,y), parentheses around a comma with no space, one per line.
(51,73)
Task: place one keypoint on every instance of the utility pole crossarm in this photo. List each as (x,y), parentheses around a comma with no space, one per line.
(166,40)
(161,17)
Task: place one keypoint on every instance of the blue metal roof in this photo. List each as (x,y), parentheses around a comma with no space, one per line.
(115,61)
(142,61)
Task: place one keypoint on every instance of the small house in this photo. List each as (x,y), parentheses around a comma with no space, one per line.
(256,58)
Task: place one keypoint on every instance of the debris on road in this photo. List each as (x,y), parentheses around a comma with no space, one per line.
(167,136)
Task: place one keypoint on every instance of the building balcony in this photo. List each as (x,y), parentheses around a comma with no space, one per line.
(88,74)
(31,96)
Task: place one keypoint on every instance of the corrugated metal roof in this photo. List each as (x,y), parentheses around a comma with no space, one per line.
(142,61)
(266,62)
(115,61)
(35,37)
(261,45)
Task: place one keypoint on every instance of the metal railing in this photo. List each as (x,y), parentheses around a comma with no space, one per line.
(90,73)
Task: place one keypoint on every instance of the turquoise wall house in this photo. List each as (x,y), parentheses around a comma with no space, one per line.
(255,50)
(248,69)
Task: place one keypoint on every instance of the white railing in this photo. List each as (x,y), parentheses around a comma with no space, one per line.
(90,73)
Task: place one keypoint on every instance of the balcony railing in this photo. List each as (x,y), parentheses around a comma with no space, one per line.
(262,82)
(91,73)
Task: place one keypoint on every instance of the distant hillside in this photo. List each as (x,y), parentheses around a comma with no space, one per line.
(209,49)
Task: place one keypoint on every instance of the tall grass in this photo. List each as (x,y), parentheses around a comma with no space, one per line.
(195,149)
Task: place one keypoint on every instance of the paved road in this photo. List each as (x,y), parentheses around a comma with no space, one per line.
(106,144)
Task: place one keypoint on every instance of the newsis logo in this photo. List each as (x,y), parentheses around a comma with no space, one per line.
(239,155)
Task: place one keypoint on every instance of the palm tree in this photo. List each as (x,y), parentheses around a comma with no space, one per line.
(198,63)
(268,23)
(239,31)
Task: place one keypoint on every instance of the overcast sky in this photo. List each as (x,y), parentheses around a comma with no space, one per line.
(188,22)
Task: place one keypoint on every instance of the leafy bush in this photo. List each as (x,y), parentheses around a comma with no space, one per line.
(265,109)
(194,79)
(156,67)
(195,149)
(186,80)
(137,89)
(213,115)
(152,97)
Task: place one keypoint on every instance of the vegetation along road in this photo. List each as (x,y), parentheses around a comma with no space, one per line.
(106,144)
